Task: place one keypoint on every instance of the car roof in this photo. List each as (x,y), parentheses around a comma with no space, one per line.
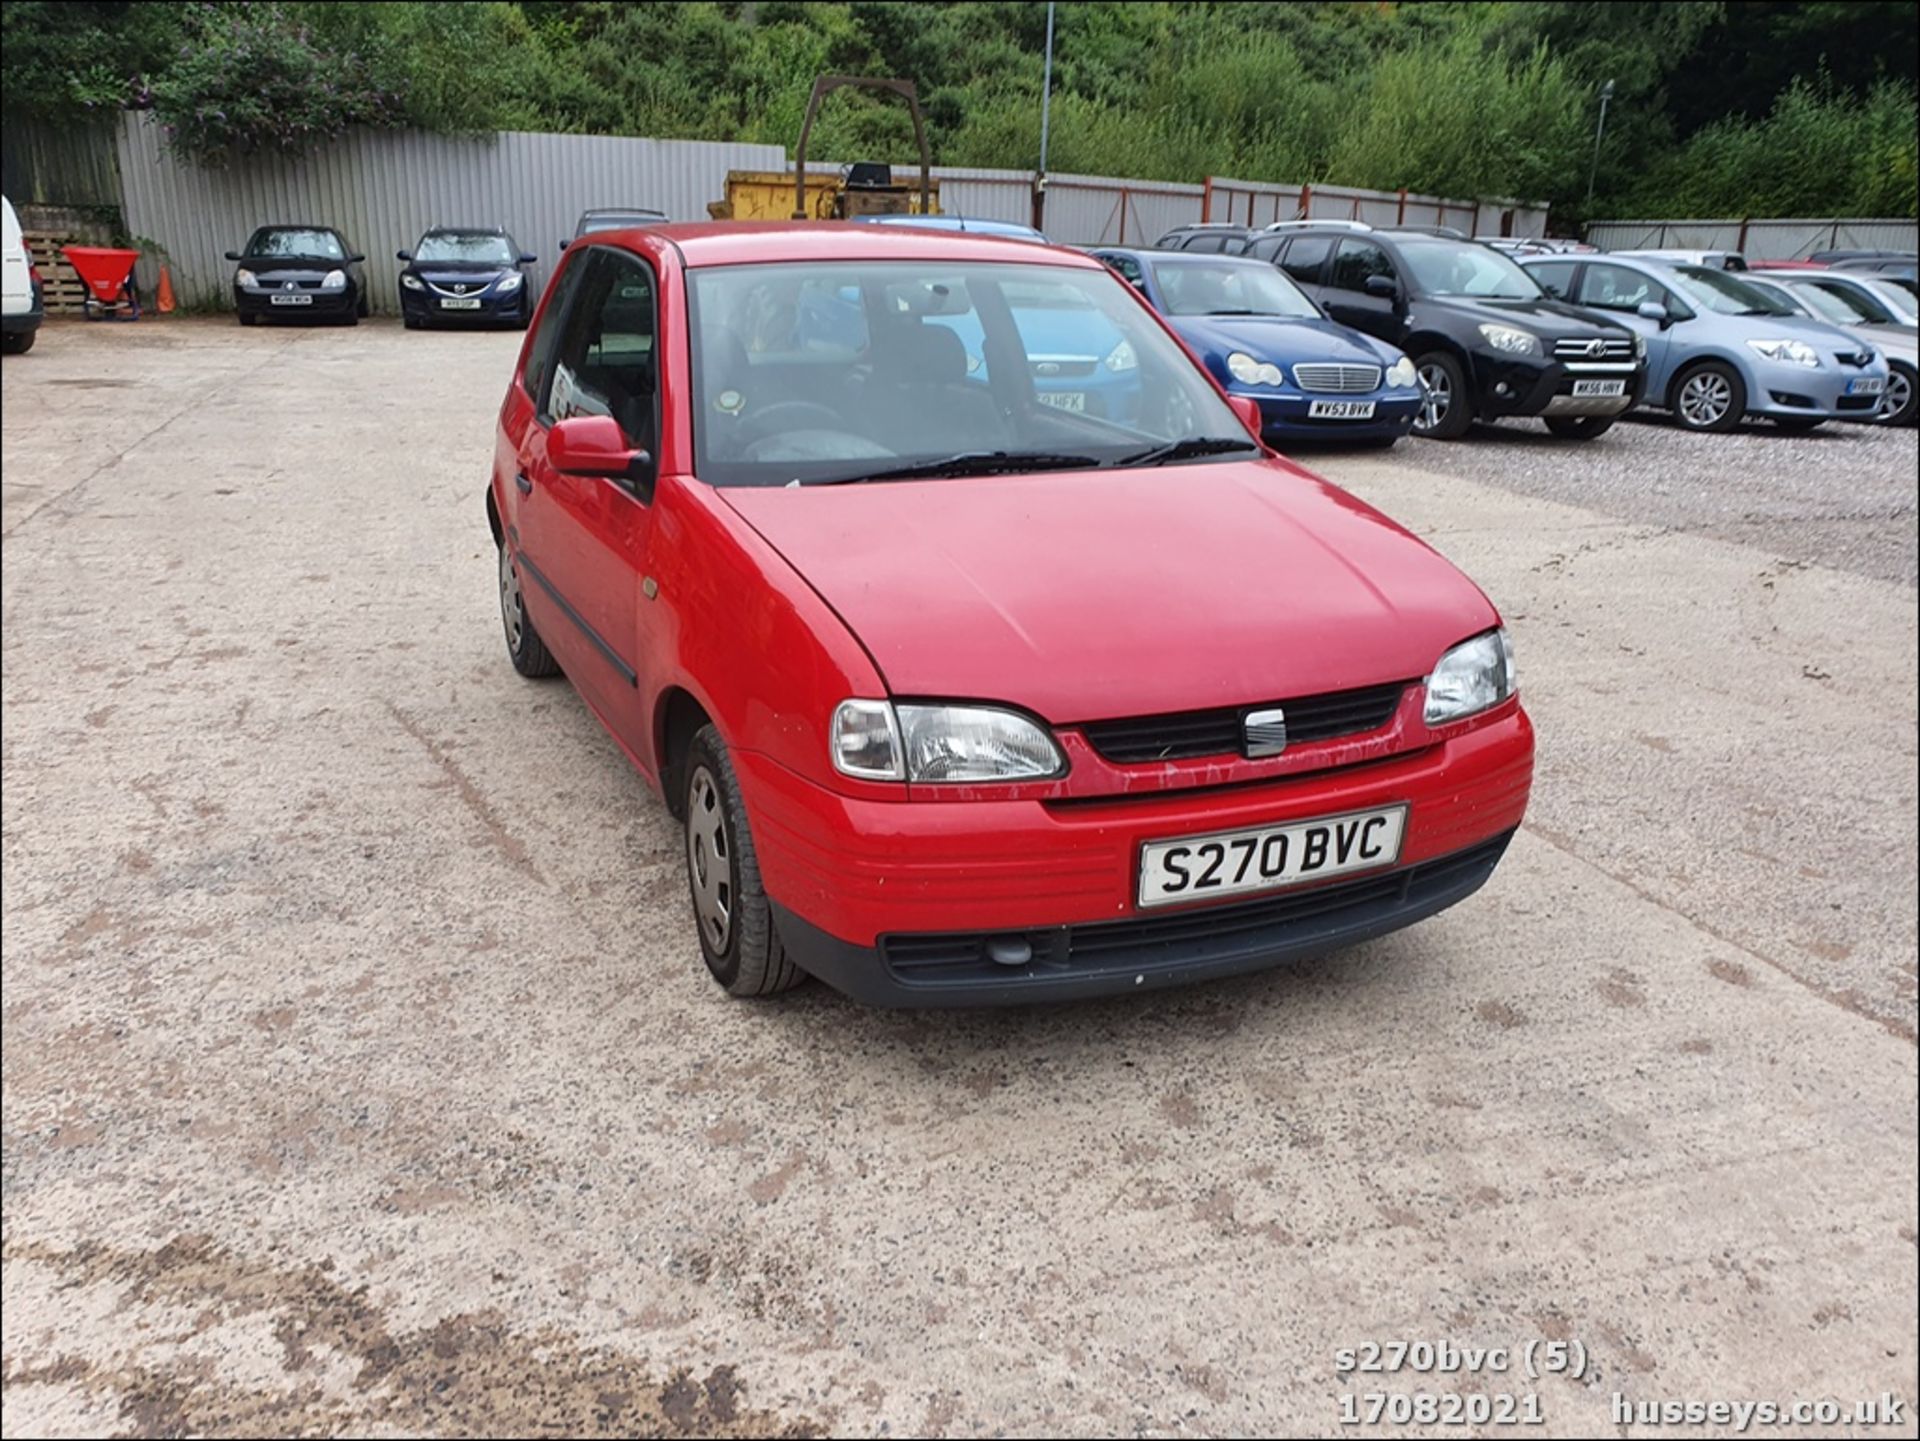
(735,242)
(465,230)
(1198,257)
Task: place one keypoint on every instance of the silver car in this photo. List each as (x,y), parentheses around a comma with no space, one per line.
(1854,302)
(1719,350)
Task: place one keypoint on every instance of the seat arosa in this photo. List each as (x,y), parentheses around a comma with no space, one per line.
(964,697)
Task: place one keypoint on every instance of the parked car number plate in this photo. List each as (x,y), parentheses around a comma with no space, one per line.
(460,304)
(1340,410)
(1599,387)
(292,299)
(1866,385)
(1269,858)
(1063,399)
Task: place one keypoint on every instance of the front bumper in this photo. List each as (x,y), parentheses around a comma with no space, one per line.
(1778,389)
(891,902)
(330,303)
(426,306)
(1505,385)
(1284,415)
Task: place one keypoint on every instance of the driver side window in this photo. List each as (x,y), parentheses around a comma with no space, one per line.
(604,363)
(1358,260)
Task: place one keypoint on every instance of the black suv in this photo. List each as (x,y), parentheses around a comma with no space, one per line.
(1487,340)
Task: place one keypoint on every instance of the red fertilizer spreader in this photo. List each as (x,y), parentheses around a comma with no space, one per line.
(109,277)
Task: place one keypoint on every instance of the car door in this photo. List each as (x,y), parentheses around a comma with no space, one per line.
(1345,297)
(1618,292)
(584,540)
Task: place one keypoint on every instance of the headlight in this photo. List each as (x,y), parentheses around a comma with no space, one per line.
(1401,375)
(1790,352)
(1121,357)
(336,280)
(245,277)
(1514,342)
(412,282)
(873,740)
(1639,346)
(1248,371)
(508,283)
(1471,677)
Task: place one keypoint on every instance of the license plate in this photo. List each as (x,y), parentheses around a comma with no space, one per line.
(1268,858)
(1866,385)
(1599,387)
(460,305)
(1062,399)
(292,299)
(1340,410)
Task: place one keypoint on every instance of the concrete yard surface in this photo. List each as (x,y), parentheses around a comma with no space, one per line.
(361,1074)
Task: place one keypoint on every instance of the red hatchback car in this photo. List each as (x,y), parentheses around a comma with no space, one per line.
(967,692)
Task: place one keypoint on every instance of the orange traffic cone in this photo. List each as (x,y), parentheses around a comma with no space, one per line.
(164,299)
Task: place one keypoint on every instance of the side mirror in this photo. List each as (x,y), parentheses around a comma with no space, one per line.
(1248,409)
(403,255)
(1384,286)
(595,445)
(563,244)
(527,257)
(355,259)
(233,255)
(1654,310)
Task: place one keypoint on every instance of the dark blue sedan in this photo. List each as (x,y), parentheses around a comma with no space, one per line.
(465,273)
(1262,337)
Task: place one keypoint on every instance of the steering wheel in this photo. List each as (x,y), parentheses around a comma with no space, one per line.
(789,415)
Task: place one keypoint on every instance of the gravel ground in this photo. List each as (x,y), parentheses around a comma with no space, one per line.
(1842,496)
(361,1075)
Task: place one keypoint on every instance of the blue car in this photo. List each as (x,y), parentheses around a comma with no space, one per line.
(1262,337)
(465,273)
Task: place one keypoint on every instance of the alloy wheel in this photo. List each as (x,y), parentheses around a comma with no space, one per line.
(1705,399)
(510,613)
(1436,397)
(1899,392)
(709,860)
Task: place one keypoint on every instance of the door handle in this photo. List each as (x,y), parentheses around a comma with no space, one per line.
(521,483)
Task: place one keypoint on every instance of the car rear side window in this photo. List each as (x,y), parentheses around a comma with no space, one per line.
(1210,243)
(1306,257)
(1556,279)
(1614,287)
(1356,261)
(604,364)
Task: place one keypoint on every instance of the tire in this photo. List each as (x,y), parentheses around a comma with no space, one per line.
(412,322)
(362,308)
(1903,397)
(246,319)
(1710,398)
(1580,427)
(730,911)
(21,341)
(1446,411)
(526,313)
(1799,424)
(525,649)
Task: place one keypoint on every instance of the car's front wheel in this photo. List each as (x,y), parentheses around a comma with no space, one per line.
(1710,396)
(1902,399)
(19,342)
(1580,427)
(1445,408)
(525,649)
(730,910)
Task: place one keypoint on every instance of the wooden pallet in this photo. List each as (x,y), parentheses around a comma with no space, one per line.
(62,291)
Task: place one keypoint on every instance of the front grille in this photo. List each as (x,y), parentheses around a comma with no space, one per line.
(1858,402)
(1337,379)
(1581,347)
(1186,734)
(458,291)
(1853,357)
(1292,922)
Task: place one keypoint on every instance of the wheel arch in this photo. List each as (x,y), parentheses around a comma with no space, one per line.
(678,716)
(493,519)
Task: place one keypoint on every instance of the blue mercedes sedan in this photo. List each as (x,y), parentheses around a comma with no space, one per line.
(1262,337)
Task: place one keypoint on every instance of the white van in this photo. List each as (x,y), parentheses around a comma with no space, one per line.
(20,317)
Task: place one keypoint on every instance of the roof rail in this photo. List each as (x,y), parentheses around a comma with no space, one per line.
(1330,224)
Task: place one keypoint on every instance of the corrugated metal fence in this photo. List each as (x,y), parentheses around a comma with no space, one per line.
(382,188)
(1756,239)
(1252,202)
(60,165)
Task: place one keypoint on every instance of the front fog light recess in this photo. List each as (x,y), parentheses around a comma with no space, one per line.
(1473,676)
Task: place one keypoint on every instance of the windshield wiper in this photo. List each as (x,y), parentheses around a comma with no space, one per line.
(970,462)
(1188,449)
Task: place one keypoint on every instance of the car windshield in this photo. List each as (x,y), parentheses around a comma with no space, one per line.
(1842,307)
(476,246)
(311,244)
(1453,267)
(847,371)
(1720,292)
(1191,288)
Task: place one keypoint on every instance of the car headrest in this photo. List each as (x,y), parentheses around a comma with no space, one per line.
(931,355)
